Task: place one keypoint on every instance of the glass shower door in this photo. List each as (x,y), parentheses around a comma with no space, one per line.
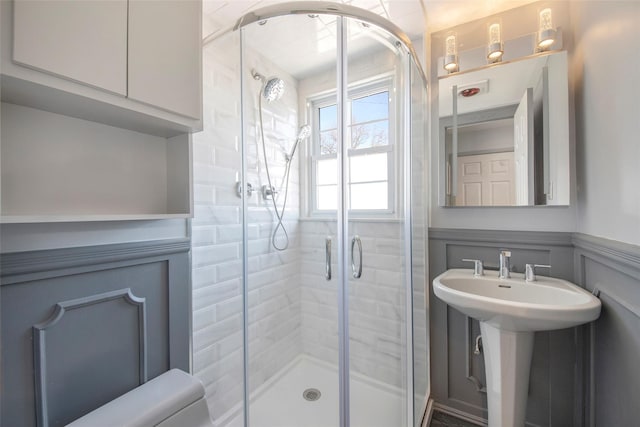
(378,285)
(290,122)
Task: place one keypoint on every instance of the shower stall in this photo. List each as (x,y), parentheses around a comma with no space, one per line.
(309,234)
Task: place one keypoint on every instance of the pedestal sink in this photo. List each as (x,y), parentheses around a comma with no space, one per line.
(510,311)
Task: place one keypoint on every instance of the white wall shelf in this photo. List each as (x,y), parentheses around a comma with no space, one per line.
(31,219)
(99,101)
(57,168)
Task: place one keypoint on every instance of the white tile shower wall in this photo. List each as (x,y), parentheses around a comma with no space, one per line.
(376,300)
(274,295)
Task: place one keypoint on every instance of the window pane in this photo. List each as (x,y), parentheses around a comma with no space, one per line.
(328,117)
(327,197)
(368,167)
(369,108)
(329,142)
(327,172)
(370,135)
(369,196)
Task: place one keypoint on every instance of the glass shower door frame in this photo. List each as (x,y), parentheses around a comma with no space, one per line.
(342,228)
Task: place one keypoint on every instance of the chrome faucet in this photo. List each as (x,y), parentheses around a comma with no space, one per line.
(505,264)
(478,266)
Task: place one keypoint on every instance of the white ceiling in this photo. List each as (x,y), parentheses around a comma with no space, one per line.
(415,17)
(278,42)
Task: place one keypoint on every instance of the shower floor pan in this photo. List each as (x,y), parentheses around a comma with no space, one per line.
(282,404)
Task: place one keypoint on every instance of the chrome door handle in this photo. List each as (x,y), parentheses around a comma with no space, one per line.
(327,256)
(357,272)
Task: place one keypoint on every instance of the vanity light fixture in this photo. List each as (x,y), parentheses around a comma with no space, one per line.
(451,54)
(546,32)
(495,48)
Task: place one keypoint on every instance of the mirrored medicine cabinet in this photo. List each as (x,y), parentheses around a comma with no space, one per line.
(504,133)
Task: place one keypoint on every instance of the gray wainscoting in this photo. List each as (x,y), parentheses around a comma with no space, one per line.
(612,371)
(586,376)
(81,326)
(457,373)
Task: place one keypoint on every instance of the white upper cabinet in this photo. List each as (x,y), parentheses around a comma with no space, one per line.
(164,54)
(132,64)
(85,41)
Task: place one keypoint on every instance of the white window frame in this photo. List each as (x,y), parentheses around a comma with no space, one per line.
(393,149)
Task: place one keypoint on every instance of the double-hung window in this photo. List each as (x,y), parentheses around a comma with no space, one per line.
(371,151)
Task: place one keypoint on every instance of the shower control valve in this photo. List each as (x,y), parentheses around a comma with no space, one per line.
(268,192)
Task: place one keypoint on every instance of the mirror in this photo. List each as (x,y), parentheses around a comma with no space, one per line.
(504,134)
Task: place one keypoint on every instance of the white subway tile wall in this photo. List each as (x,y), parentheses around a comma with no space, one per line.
(273,285)
(217,232)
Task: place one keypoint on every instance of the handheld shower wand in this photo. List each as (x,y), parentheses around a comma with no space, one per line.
(303,133)
(271,90)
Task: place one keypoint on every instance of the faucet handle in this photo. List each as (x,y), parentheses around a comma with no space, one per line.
(530,271)
(478,267)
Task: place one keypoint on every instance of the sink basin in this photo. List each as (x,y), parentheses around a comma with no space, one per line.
(515,305)
(510,311)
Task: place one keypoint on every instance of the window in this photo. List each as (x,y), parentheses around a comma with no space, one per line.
(371,151)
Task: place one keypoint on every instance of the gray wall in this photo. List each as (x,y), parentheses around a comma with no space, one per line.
(81,326)
(585,376)
(606,216)
(607,125)
(611,375)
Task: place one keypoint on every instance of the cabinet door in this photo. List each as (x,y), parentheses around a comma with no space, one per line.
(165,51)
(85,41)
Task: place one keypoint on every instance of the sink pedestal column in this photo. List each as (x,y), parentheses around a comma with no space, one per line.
(507,361)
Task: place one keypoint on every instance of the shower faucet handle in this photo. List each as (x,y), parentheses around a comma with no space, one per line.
(240,188)
(268,192)
(478,266)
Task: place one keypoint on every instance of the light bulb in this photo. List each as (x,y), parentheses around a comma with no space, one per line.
(495,48)
(546,33)
(451,54)
(450,45)
(494,33)
(545,20)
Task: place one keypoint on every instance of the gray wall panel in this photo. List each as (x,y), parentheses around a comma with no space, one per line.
(586,376)
(552,384)
(92,342)
(613,386)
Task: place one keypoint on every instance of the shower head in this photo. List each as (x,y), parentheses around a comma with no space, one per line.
(304,132)
(273,89)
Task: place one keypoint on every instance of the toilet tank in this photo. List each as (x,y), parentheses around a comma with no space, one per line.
(173,399)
